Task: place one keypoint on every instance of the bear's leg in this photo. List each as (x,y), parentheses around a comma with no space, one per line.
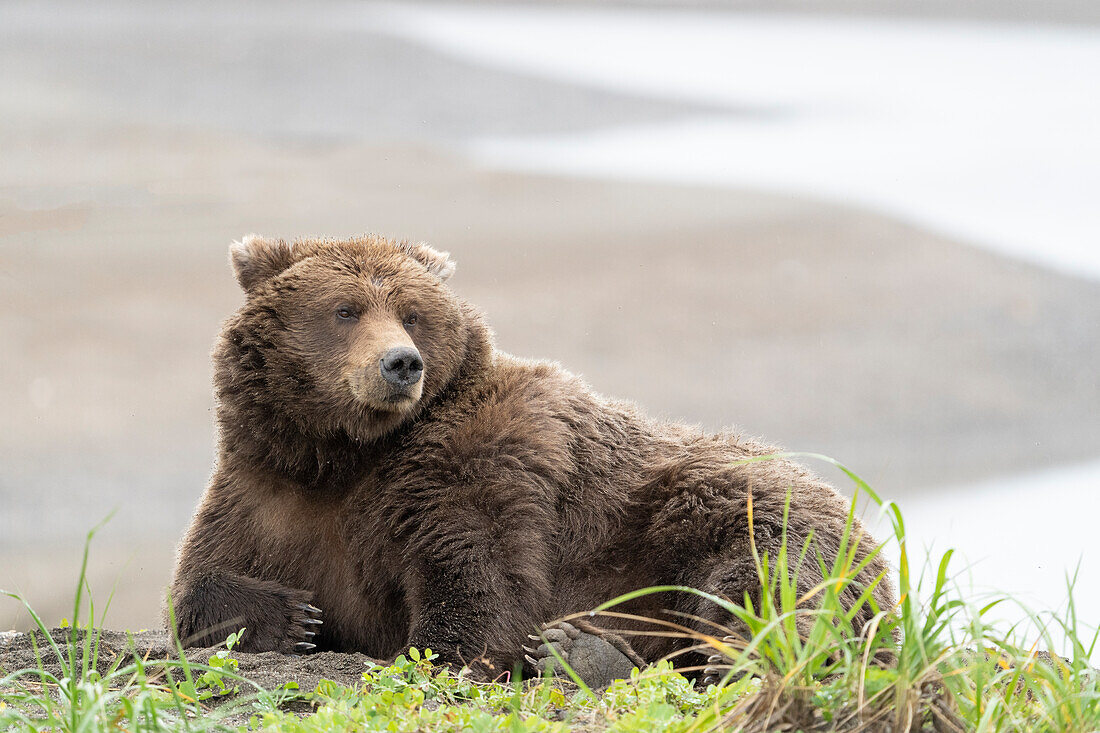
(275,618)
(729,578)
(598,657)
(735,576)
(732,578)
(478,579)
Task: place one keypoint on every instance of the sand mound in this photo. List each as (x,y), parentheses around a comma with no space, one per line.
(269,669)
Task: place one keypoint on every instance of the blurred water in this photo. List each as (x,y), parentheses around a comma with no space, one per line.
(985,132)
(1027,535)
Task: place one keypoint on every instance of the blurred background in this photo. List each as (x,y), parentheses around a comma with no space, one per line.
(869,228)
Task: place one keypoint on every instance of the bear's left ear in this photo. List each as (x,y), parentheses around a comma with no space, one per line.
(438,263)
(256,259)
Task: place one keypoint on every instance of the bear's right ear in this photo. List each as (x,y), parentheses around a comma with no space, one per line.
(256,259)
(438,263)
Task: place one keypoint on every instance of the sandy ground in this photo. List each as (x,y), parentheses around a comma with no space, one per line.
(269,670)
(136,147)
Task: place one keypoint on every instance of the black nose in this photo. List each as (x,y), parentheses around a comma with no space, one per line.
(402,366)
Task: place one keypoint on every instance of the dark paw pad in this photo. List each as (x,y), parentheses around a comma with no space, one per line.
(594,660)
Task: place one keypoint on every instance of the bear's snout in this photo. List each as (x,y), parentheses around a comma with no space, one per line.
(402,366)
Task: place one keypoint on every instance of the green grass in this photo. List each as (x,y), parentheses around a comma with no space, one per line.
(935,662)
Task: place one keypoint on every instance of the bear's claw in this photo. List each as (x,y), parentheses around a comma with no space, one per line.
(302,636)
(718,664)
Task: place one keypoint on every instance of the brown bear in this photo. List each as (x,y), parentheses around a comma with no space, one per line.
(379,459)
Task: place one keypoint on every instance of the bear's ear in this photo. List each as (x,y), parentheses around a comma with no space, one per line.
(256,259)
(438,263)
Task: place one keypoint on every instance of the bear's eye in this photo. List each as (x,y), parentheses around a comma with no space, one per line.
(410,321)
(346,313)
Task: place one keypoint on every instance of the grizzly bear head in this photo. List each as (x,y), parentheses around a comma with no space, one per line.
(337,338)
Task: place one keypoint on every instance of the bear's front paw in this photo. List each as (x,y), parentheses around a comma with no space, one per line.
(288,624)
(306,623)
(594,660)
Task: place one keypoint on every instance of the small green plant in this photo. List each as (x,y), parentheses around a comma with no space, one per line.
(213,681)
(72,688)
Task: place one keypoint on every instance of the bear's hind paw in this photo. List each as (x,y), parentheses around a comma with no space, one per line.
(597,662)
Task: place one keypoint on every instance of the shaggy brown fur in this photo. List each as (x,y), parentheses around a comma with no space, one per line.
(461,512)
